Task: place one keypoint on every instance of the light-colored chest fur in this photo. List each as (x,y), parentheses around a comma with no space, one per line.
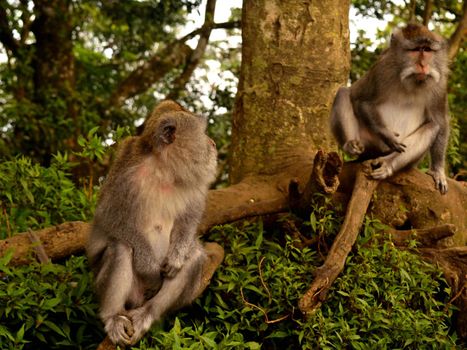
(161,201)
(403,114)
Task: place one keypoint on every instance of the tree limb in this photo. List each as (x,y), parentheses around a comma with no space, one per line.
(6,37)
(459,34)
(335,261)
(427,11)
(173,55)
(428,237)
(197,53)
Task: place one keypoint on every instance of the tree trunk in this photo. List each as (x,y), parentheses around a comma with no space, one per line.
(53,83)
(295,54)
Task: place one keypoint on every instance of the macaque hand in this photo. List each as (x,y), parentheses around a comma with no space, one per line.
(171,266)
(141,320)
(382,169)
(353,147)
(119,328)
(440,180)
(389,138)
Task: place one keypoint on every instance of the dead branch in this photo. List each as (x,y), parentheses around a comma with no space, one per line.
(428,237)
(38,247)
(58,242)
(334,263)
(324,178)
(422,208)
(197,53)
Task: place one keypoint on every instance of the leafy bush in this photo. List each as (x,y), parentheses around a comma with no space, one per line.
(33,197)
(48,306)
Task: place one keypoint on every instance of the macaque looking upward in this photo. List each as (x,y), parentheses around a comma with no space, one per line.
(143,247)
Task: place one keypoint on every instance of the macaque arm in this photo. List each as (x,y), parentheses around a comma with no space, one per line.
(182,238)
(438,149)
(343,122)
(417,145)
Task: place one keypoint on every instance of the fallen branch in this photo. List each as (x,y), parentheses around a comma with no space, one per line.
(414,191)
(334,263)
(57,242)
(428,237)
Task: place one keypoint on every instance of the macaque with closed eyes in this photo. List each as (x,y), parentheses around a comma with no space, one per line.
(143,247)
(398,111)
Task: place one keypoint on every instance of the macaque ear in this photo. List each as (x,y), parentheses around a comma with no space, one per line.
(166,133)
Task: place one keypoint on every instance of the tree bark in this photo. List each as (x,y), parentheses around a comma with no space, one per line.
(294,57)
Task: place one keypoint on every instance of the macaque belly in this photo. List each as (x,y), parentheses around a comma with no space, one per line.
(402,117)
(158,234)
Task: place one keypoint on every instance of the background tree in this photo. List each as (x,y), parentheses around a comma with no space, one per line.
(73,65)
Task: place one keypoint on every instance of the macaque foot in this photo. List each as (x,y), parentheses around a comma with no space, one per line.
(119,328)
(171,266)
(440,180)
(353,147)
(141,320)
(381,169)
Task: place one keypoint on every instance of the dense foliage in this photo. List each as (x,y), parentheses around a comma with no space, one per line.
(386,298)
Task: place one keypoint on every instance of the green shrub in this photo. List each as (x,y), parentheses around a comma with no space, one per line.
(32,196)
(48,306)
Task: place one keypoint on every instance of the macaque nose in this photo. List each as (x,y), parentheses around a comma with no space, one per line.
(422,67)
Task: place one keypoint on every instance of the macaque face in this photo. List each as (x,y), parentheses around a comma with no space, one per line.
(421,53)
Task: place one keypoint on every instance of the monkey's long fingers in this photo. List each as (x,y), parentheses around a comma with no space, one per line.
(398,147)
(440,180)
(382,172)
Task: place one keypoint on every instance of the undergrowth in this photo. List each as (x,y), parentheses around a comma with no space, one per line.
(386,298)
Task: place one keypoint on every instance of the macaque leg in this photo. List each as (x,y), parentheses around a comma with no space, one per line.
(344,124)
(115,280)
(417,145)
(175,292)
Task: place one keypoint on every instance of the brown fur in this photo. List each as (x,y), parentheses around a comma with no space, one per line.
(143,247)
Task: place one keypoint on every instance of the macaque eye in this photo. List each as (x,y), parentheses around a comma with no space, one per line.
(427,49)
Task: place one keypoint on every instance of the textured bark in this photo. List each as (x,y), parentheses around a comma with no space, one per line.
(58,242)
(295,54)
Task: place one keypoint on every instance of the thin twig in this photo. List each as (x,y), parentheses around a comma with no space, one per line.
(262,280)
(266,319)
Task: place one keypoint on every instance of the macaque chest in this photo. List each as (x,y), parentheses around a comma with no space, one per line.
(402,116)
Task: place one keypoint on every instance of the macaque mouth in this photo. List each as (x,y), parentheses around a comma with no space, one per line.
(421,77)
